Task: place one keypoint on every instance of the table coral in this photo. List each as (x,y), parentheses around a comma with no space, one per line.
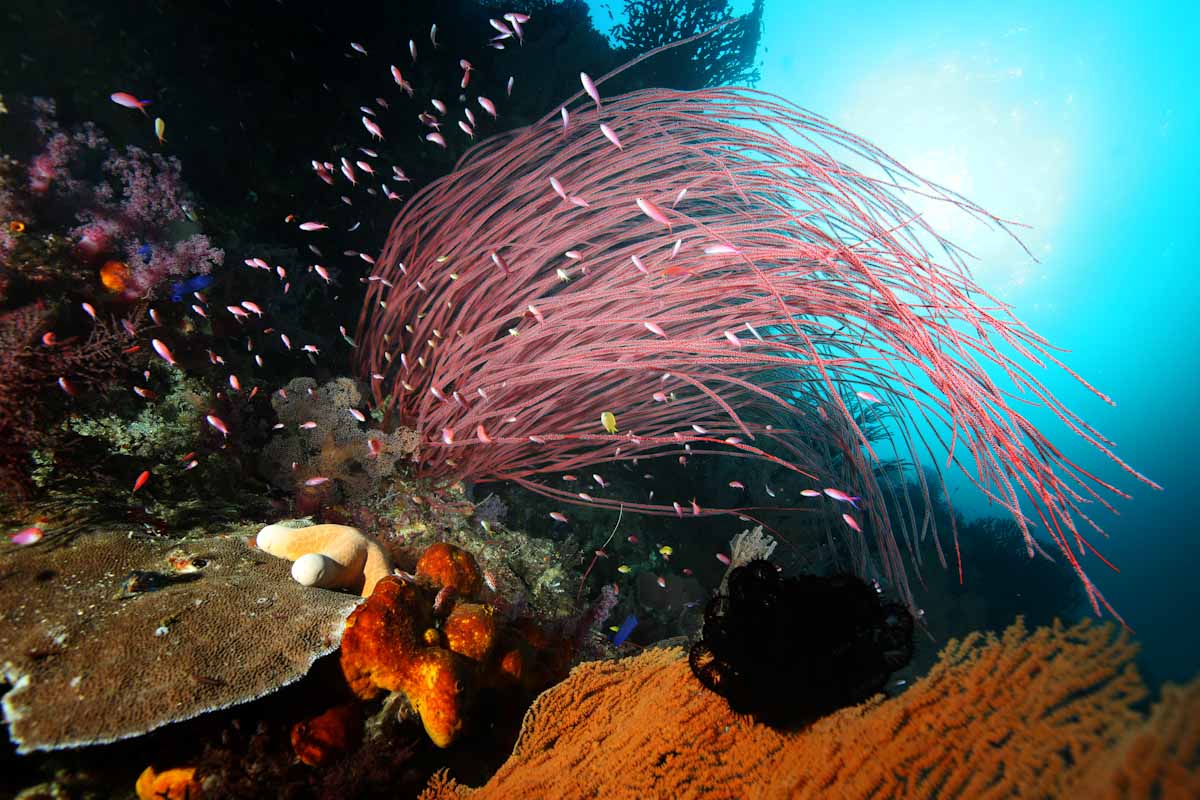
(328,556)
(1042,714)
(91,662)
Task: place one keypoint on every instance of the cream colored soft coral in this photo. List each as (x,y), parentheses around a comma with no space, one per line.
(328,556)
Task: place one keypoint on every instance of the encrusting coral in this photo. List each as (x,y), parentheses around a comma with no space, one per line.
(107,636)
(1044,714)
(328,556)
(171,784)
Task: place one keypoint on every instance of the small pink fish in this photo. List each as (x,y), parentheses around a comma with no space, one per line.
(599,481)
(720,250)
(324,273)
(662,582)
(586,496)
(700,429)
(372,127)
(736,485)
(810,493)
(89,310)
(482,434)
(49,339)
(313,226)
(695,508)
(307,425)
(870,398)
(536,313)
(733,339)
(163,351)
(436,138)
(444,597)
(724,559)
(770,492)
(653,212)
(589,86)
(637,262)
(659,397)
(252,307)
(283,337)
(141,480)
(237,312)
(557,187)
(501,263)
(610,135)
(448,435)
(358,415)
(558,516)
(234,383)
(375,446)
(678,510)
(465,128)
(657,331)
(311,348)
(507,88)
(218,423)
(129,101)
(358,47)
(840,496)
(199,309)
(144,393)
(487,105)
(317,481)
(26,536)
(566,118)
(849,520)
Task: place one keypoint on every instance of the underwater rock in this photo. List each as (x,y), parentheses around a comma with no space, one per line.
(328,556)
(90,663)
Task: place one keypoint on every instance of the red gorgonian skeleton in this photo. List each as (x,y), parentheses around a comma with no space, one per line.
(710,269)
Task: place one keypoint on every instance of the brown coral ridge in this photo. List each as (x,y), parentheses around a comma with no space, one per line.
(996,716)
(395,642)
(106,637)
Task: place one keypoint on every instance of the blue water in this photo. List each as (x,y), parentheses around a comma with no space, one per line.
(1082,121)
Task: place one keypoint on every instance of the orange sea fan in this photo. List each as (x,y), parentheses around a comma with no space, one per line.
(1040,714)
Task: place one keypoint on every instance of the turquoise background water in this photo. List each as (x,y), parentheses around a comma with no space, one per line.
(1083,122)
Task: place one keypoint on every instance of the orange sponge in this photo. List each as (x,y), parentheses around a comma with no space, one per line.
(382,650)
(446,565)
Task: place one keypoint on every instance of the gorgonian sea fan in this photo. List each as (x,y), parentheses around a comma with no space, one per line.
(784,282)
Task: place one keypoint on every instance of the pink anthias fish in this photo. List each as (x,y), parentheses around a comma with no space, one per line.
(129,101)
(611,136)
(313,226)
(810,493)
(842,497)
(870,398)
(487,105)
(218,423)
(653,211)
(853,523)
(163,351)
(589,86)
(558,516)
(26,536)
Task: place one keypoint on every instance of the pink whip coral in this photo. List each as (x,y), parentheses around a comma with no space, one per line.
(709,272)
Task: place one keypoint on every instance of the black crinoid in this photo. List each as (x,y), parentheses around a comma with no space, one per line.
(790,650)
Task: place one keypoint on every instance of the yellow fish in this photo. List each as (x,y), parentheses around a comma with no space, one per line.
(666,550)
(160,128)
(623,569)
(609,421)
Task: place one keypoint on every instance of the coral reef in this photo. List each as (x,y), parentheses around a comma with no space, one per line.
(338,447)
(1041,714)
(187,626)
(328,556)
(329,735)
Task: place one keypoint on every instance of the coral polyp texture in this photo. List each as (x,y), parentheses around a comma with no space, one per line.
(328,556)
(716,272)
(186,626)
(995,717)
